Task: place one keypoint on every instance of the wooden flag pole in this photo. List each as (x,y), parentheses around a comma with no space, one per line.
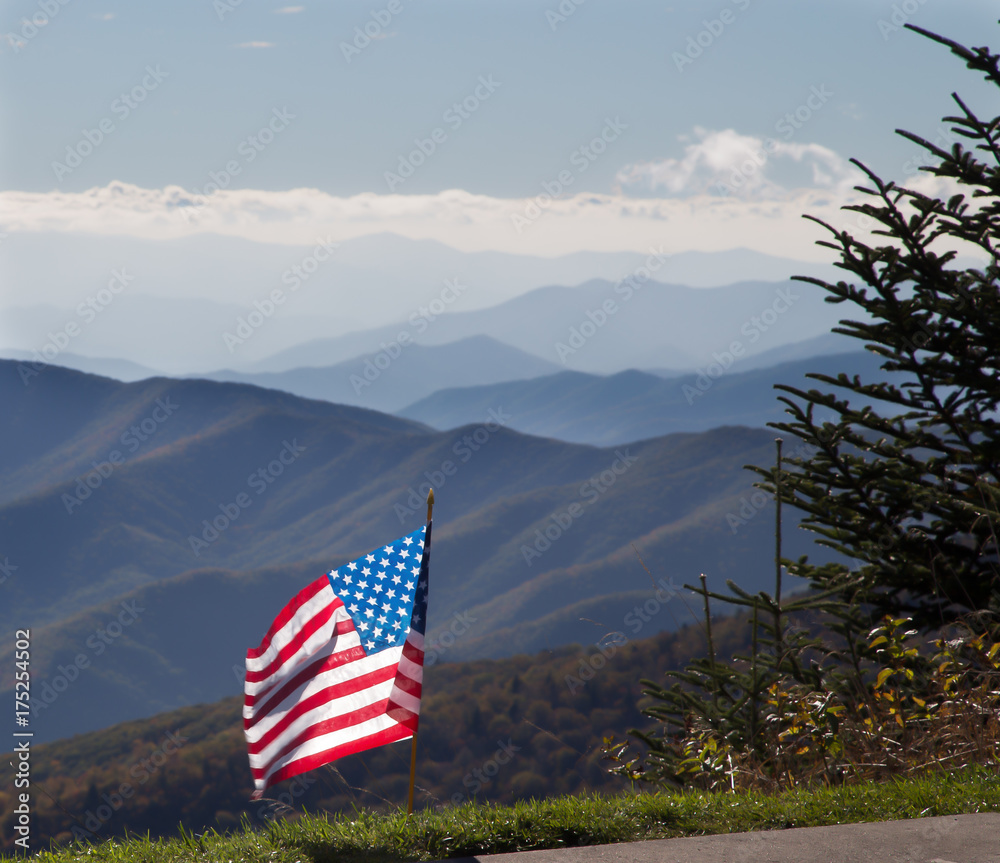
(413,748)
(413,774)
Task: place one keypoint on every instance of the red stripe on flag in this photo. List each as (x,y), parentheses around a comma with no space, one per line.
(414,654)
(408,685)
(325,663)
(324,696)
(342,627)
(403,716)
(327,726)
(311,762)
(307,629)
(288,612)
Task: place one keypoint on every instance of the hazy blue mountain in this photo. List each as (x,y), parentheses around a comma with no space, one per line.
(120,370)
(633,405)
(58,422)
(173,334)
(185,293)
(374,278)
(205,528)
(819,346)
(653,325)
(396,375)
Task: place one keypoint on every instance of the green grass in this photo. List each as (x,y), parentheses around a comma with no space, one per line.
(561,822)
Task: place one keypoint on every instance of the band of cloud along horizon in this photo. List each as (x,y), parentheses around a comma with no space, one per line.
(341,668)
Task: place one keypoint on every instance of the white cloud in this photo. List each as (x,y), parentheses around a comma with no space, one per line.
(289,10)
(255,45)
(727,163)
(467,221)
(757,213)
(461,219)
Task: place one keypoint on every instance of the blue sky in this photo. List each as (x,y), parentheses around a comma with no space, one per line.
(225,67)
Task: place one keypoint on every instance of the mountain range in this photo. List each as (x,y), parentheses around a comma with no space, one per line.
(186,300)
(209,504)
(632,405)
(402,372)
(602,327)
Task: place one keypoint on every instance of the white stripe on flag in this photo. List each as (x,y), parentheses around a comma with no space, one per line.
(328,741)
(286,672)
(333,677)
(411,669)
(324,598)
(369,697)
(407,701)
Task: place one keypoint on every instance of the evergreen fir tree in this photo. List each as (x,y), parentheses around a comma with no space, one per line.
(907,487)
(905,481)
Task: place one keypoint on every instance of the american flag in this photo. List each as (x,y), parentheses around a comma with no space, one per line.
(340,670)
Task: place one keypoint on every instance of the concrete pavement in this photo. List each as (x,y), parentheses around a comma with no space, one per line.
(943,839)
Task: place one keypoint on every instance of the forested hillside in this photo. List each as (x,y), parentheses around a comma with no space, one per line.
(527,726)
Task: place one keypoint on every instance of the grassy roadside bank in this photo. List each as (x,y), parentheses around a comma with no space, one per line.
(555,823)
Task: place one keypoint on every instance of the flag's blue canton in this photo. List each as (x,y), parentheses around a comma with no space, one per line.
(378,591)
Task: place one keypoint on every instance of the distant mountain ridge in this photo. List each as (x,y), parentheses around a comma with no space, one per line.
(191,290)
(399,372)
(817,346)
(633,405)
(108,367)
(602,327)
